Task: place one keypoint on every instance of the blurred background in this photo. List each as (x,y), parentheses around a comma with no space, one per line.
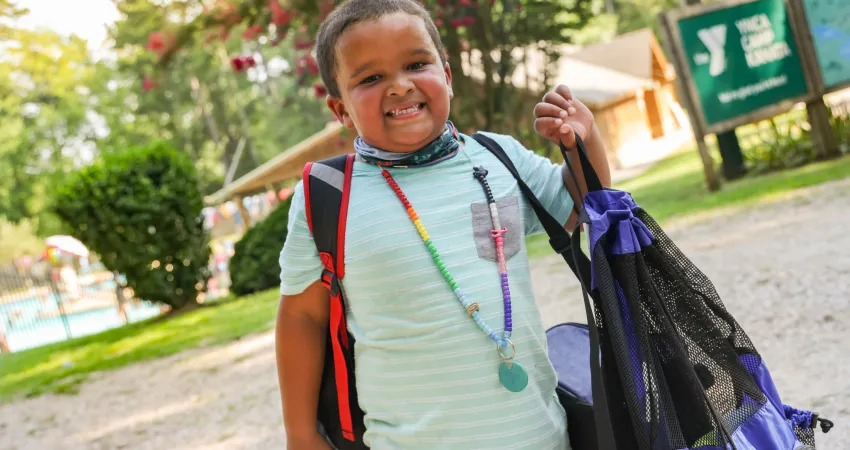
(148,151)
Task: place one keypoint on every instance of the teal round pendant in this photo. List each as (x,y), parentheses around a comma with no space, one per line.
(513,376)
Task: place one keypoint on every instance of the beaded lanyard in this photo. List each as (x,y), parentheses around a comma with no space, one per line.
(511,373)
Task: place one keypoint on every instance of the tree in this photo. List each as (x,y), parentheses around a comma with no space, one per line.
(43,122)
(140,211)
(227,121)
(623,16)
(498,35)
(254,266)
(638,14)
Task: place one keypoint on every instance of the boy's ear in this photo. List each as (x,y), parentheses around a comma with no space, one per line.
(338,108)
(448,71)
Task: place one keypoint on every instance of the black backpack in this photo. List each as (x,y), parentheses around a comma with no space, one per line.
(327,186)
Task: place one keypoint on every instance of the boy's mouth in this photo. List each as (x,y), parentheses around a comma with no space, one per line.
(410,110)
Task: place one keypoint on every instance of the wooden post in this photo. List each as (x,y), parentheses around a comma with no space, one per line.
(712,181)
(731,156)
(823,136)
(246,221)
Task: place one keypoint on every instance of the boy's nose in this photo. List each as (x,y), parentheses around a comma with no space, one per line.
(401,85)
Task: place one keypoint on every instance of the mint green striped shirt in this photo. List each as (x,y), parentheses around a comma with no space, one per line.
(427,377)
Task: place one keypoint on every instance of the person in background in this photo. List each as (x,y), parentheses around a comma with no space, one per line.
(4,344)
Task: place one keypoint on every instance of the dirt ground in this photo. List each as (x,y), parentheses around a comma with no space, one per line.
(783,270)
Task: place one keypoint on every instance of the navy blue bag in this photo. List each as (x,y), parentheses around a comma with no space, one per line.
(569,352)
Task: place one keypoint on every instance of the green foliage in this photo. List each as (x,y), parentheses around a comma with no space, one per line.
(841,127)
(17,240)
(254,266)
(43,78)
(779,143)
(200,105)
(627,16)
(140,211)
(599,29)
(638,14)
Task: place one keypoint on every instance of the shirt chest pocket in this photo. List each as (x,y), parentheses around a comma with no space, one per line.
(482,227)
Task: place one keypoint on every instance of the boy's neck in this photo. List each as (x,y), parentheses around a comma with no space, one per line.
(445,144)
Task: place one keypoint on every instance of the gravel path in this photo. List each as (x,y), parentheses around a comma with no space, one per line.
(783,270)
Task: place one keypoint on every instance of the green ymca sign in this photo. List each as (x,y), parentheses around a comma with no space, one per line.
(742,59)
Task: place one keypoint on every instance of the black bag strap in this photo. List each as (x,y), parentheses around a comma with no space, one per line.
(327,185)
(591,178)
(559,239)
(570,249)
(326,193)
(604,427)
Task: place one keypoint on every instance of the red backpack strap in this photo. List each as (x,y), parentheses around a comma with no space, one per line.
(327,185)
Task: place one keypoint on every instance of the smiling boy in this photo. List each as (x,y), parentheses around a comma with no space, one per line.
(433,322)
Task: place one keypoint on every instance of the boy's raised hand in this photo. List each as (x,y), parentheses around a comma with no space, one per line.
(560,115)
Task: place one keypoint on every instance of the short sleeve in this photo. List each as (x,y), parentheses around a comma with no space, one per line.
(300,265)
(544,178)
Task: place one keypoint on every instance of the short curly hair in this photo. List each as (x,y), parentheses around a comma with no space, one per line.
(355,11)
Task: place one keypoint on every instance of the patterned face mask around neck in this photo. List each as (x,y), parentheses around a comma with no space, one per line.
(446,144)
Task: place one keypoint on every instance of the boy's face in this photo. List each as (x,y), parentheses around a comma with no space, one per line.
(394,88)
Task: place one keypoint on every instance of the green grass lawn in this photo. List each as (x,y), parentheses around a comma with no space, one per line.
(675,188)
(62,366)
(672,188)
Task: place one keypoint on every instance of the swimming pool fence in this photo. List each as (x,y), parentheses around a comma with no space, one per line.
(39,307)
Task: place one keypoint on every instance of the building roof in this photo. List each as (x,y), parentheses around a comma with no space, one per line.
(637,53)
(593,84)
(331,141)
(596,85)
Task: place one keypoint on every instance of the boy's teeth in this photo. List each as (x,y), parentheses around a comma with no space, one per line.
(399,112)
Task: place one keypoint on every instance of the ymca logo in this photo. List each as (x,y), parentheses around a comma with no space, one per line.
(714,39)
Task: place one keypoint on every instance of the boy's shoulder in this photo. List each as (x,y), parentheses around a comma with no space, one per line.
(502,139)
(297,200)
(512,147)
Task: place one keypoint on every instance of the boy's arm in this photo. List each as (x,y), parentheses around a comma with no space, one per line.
(599,161)
(560,117)
(300,338)
(301,329)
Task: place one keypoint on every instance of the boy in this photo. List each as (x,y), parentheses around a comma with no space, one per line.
(427,376)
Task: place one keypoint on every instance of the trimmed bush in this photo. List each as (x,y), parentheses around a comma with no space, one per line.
(254,265)
(140,211)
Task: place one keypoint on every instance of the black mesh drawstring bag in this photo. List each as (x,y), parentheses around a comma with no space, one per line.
(675,370)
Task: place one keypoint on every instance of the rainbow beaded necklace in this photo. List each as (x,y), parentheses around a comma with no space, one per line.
(511,373)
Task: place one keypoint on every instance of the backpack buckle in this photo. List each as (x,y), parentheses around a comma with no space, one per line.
(330,282)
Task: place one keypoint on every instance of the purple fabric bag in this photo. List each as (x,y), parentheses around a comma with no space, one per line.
(677,370)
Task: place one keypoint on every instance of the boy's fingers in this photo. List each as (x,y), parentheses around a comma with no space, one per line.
(564,92)
(567,135)
(549,110)
(556,99)
(548,126)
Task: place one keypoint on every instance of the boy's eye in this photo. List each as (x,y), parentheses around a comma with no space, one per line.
(416,66)
(370,79)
